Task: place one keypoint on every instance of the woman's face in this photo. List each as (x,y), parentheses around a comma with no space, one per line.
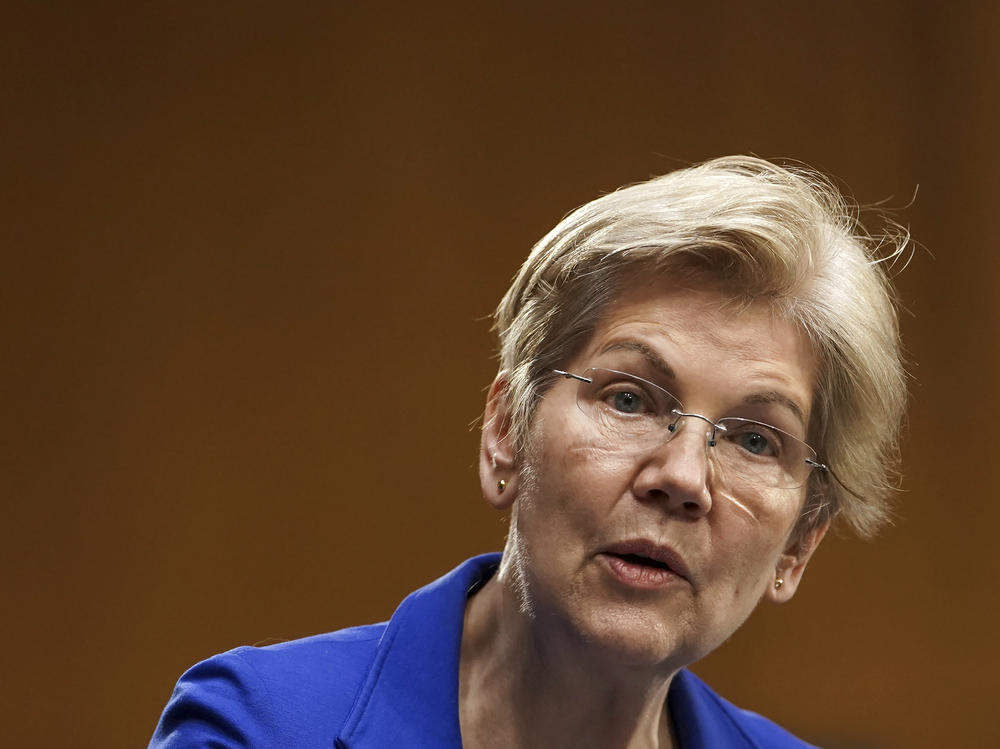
(645,554)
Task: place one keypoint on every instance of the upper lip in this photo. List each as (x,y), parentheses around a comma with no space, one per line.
(641,547)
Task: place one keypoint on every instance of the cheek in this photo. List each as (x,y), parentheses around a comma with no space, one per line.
(752,545)
(742,584)
(765,522)
(570,486)
(564,460)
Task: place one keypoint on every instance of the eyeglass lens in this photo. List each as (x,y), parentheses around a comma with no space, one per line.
(633,414)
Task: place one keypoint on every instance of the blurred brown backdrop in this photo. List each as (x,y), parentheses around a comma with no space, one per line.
(247,258)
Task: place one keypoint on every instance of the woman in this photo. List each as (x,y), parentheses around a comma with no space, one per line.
(698,375)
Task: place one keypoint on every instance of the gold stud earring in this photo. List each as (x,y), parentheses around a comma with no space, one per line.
(501,485)
(778,582)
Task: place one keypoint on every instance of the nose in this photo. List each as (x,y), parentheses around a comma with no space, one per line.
(676,472)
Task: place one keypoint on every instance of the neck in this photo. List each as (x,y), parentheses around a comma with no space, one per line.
(526,684)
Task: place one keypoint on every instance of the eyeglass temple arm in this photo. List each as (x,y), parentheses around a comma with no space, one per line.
(816,464)
(570,375)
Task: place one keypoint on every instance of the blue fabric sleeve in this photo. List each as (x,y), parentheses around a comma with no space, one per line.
(221,703)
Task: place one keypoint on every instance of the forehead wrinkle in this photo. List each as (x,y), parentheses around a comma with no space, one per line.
(753,355)
(709,326)
(775,383)
(662,366)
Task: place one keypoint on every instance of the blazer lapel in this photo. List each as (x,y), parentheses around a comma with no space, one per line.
(410,696)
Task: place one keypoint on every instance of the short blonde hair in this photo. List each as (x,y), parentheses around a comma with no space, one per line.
(780,233)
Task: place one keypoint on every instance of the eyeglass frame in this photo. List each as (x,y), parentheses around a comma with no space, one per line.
(822,467)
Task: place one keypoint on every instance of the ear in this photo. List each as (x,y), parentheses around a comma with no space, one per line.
(792,563)
(498,473)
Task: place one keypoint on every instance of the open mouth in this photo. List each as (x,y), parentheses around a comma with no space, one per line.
(641,563)
(638,559)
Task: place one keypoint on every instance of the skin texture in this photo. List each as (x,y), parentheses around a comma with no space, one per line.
(598,651)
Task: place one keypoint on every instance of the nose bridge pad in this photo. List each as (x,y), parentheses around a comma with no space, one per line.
(677,426)
(710,435)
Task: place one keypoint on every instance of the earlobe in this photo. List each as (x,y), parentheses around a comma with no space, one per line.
(792,564)
(497,465)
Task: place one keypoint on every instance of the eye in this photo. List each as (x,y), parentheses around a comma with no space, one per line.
(625,397)
(627,401)
(757,440)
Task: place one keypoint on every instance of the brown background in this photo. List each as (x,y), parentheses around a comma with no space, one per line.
(247,258)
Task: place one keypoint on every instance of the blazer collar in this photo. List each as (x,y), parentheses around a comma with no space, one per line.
(703,719)
(410,696)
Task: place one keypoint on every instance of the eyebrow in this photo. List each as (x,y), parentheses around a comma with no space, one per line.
(772,396)
(660,364)
(654,359)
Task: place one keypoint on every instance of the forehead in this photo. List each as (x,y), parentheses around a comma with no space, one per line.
(707,341)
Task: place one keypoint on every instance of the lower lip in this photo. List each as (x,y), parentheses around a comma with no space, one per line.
(640,575)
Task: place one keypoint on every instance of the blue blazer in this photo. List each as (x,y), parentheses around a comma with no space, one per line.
(386,685)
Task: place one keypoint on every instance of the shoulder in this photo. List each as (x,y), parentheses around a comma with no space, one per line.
(295,693)
(306,693)
(718,722)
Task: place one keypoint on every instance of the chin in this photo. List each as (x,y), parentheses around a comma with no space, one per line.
(636,638)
